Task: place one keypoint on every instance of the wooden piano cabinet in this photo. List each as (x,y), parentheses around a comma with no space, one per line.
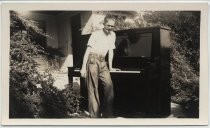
(128,94)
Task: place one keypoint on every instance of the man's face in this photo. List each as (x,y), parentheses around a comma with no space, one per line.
(109,25)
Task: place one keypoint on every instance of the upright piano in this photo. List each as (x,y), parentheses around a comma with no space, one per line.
(142,86)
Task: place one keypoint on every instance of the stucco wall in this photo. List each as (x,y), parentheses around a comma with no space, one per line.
(65,39)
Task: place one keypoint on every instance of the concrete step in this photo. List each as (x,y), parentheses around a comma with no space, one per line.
(177,111)
(61,80)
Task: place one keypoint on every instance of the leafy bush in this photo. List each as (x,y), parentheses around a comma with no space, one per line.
(184,82)
(24,95)
(57,103)
(31,93)
(53,57)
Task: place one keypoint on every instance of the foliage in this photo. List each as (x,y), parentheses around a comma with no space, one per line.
(53,56)
(184,81)
(18,22)
(123,23)
(24,95)
(58,104)
(32,94)
(53,52)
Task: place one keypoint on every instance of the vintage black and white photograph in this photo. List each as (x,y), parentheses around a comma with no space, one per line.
(104,64)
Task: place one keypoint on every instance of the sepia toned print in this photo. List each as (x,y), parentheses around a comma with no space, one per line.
(155,71)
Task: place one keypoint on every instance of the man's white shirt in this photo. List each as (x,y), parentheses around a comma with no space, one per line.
(100,42)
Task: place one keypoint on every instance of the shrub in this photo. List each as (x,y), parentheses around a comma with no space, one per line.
(24,95)
(57,103)
(31,93)
(184,81)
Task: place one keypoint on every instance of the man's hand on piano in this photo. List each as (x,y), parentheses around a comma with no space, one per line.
(115,69)
(83,73)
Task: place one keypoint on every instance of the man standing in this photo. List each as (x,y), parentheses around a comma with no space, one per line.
(94,68)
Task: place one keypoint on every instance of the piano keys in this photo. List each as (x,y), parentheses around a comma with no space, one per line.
(77,71)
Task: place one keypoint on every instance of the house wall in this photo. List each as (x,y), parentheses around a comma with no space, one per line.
(65,39)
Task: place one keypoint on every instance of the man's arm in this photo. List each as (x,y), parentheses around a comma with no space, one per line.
(83,69)
(110,60)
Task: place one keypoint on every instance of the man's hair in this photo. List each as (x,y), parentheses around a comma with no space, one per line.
(109,17)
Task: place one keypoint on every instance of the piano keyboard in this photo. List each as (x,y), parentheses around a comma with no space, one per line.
(120,71)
